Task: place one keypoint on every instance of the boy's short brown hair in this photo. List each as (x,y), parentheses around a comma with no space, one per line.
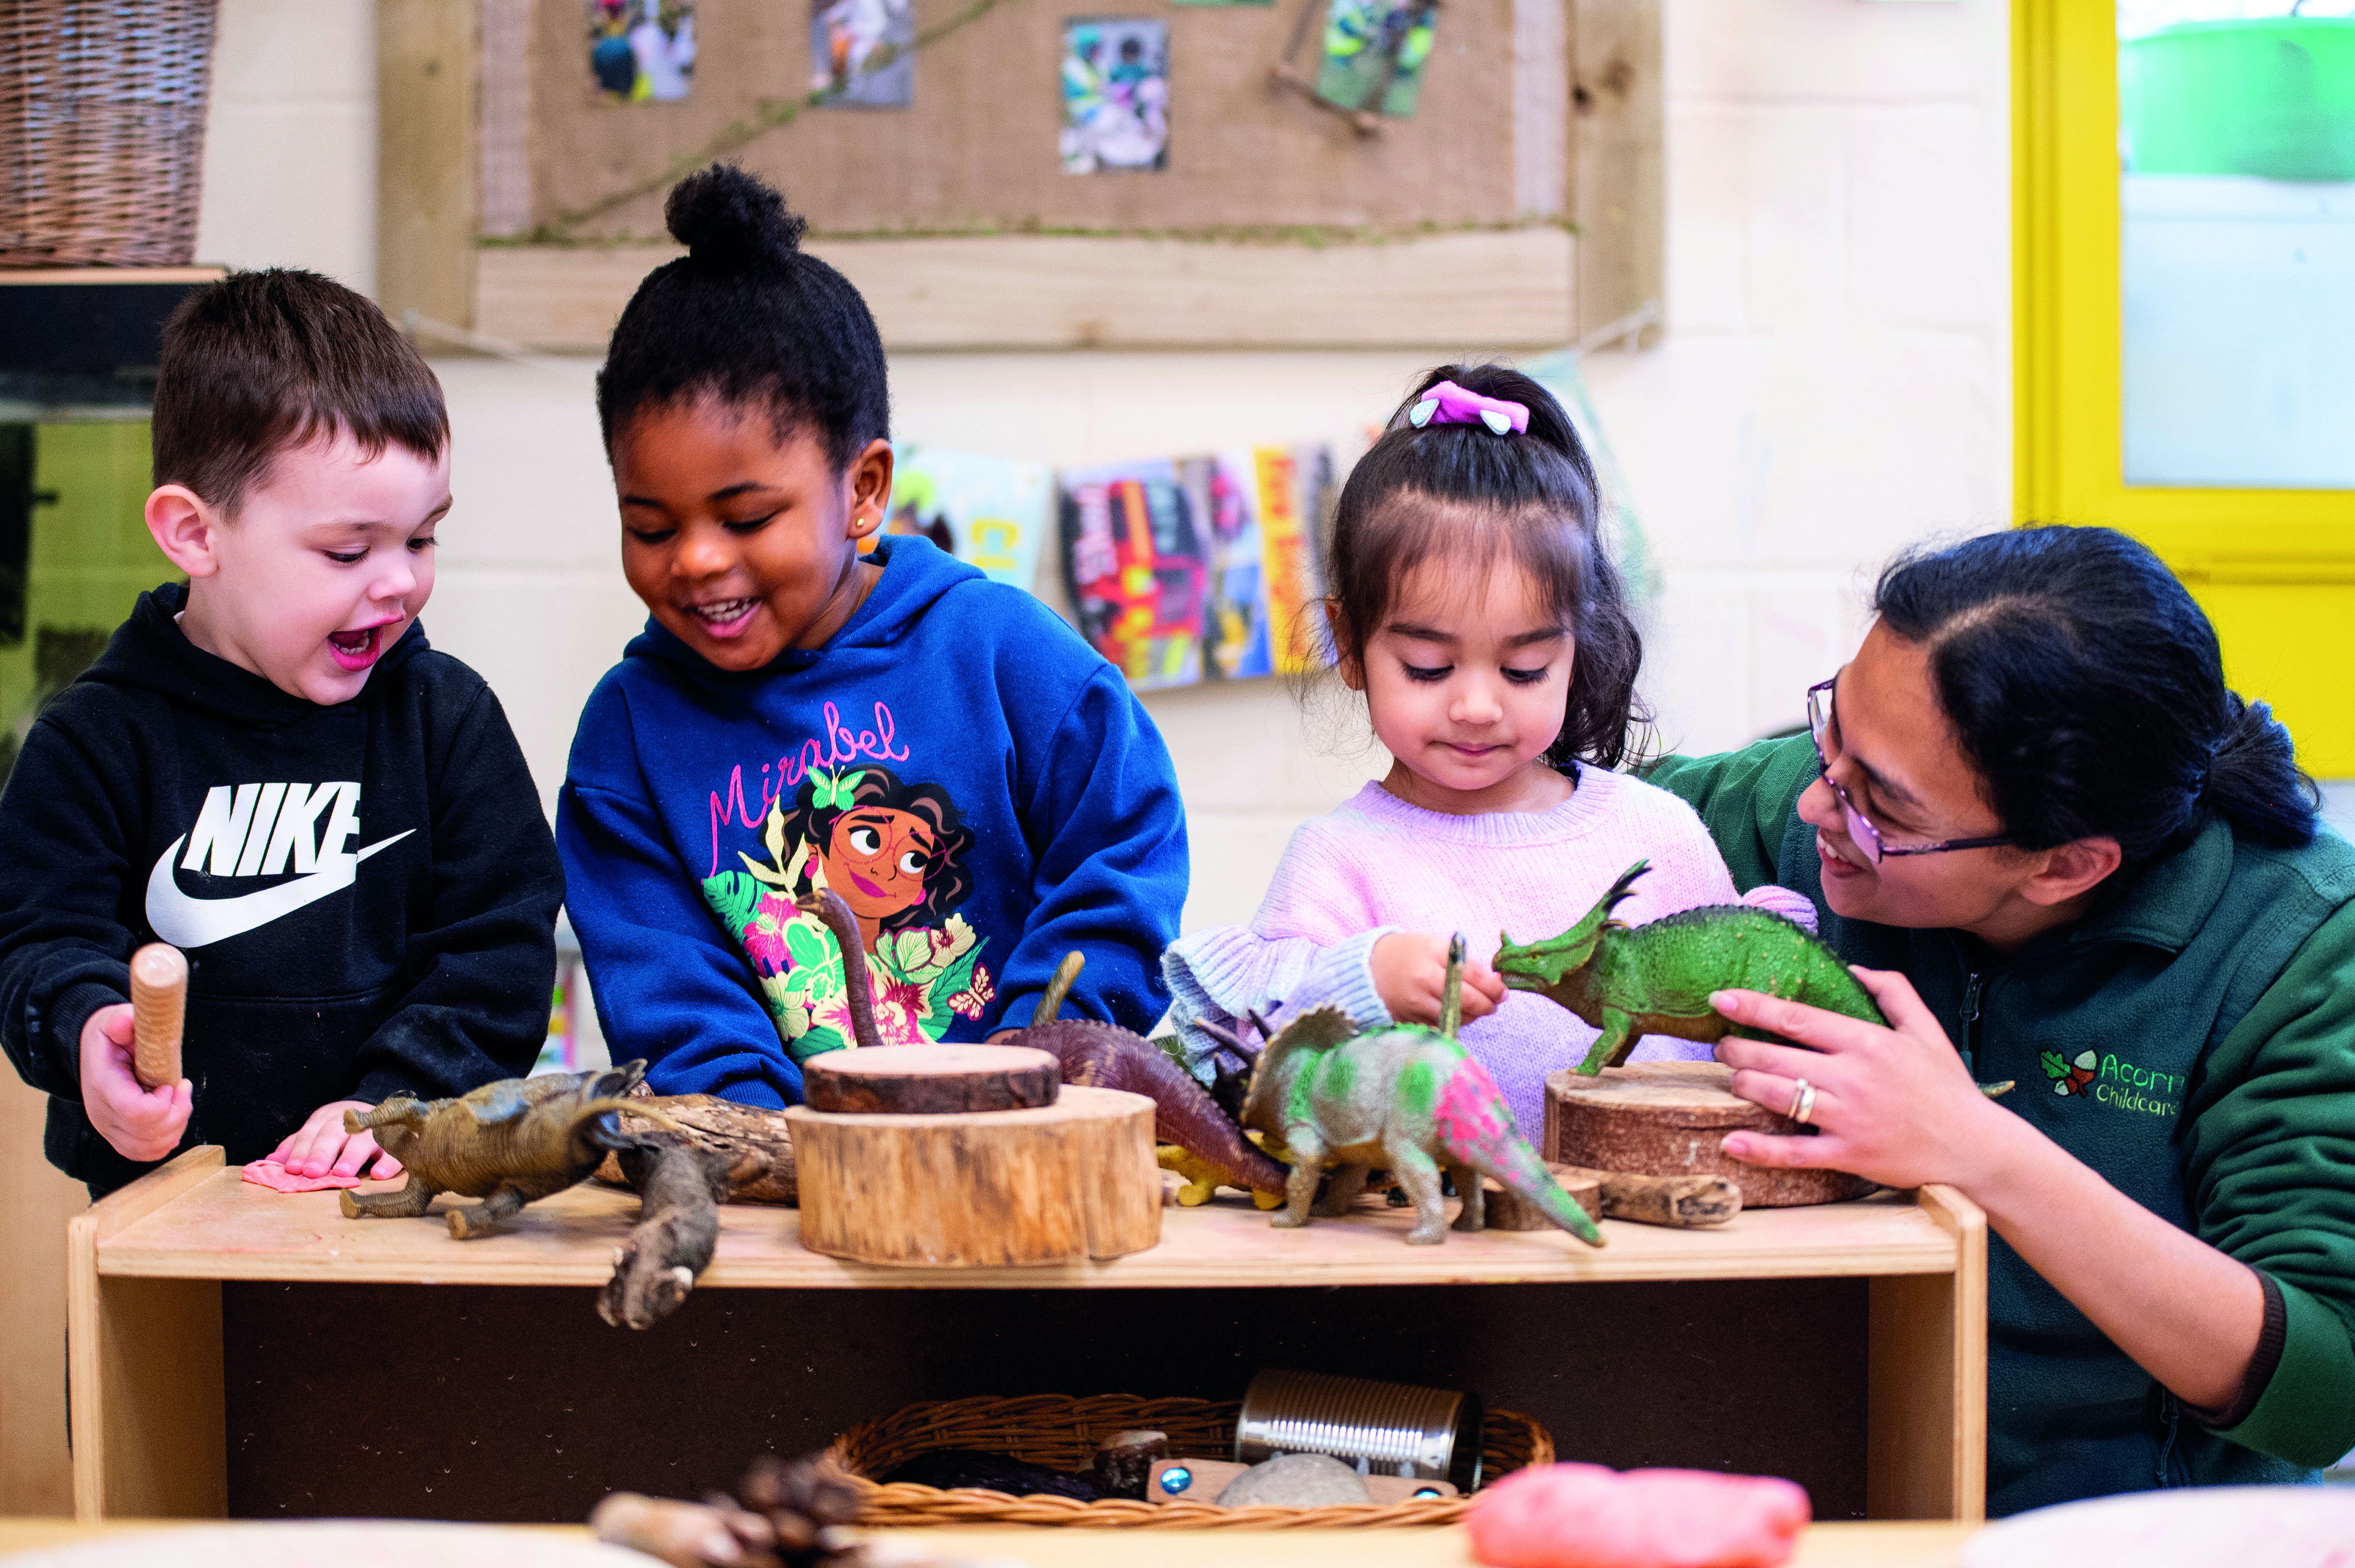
(262,361)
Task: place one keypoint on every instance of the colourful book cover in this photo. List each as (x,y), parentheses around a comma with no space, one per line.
(1224,490)
(1294,490)
(989,511)
(1136,562)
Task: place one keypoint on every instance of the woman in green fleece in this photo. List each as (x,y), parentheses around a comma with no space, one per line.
(2075,862)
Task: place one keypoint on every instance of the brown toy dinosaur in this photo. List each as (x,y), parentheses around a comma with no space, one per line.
(1092,1054)
(508,1143)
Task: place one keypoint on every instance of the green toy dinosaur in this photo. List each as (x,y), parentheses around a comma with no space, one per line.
(1655,978)
(1406,1098)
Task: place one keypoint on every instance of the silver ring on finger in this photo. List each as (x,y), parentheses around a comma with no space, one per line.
(1803,1102)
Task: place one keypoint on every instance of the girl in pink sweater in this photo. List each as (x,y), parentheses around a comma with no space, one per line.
(1474,606)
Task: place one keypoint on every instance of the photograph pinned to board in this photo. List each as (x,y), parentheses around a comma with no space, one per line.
(862,53)
(642,51)
(1374,54)
(1199,568)
(1115,84)
(988,511)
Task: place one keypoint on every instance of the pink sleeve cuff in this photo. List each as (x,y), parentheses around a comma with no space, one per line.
(1796,908)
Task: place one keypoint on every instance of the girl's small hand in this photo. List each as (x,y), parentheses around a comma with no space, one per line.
(1896,1106)
(321,1145)
(1410,977)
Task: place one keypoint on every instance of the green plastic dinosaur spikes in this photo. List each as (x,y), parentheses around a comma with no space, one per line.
(1406,1098)
(1655,978)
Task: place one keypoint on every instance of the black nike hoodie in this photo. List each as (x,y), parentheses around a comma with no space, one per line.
(367,892)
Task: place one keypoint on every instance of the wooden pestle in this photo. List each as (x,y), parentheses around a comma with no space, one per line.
(159,1006)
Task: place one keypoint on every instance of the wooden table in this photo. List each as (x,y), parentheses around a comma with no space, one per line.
(1878,1545)
(148,1266)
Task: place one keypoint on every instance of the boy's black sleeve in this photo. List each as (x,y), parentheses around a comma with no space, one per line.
(65,876)
(483,961)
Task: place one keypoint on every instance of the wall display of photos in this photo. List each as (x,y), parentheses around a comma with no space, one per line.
(1115,84)
(988,511)
(1374,54)
(862,53)
(1194,569)
(642,51)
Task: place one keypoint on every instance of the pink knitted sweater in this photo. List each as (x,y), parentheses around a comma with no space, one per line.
(1376,866)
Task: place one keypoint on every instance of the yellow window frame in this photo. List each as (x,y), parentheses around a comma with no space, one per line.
(2274,568)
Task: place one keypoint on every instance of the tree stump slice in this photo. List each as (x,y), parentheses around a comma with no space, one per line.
(1508,1210)
(1666,1118)
(1058,1183)
(757,1142)
(930,1080)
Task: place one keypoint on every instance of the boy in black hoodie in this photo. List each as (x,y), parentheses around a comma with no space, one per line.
(270,769)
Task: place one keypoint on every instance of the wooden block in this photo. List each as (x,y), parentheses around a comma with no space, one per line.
(1669,1118)
(1202,1481)
(1507,1210)
(930,1080)
(159,1007)
(1058,1183)
(1686,1202)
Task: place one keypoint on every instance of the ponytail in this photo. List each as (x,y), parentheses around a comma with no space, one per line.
(2087,689)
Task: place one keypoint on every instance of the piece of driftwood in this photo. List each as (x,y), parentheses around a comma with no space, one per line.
(1670,1118)
(927,1080)
(756,1143)
(1508,1210)
(1054,1184)
(1684,1203)
(677,1228)
(1125,1460)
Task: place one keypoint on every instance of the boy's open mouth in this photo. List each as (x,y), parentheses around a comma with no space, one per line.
(724,617)
(354,649)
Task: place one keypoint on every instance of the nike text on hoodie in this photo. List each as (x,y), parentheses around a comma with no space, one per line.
(367,892)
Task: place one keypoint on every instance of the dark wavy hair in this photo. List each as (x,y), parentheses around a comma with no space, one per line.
(1460,492)
(2086,687)
(948,881)
(747,317)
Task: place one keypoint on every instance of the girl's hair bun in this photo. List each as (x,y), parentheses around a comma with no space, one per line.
(732,220)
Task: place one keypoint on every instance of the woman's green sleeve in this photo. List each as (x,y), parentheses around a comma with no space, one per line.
(1746,800)
(2269,1168)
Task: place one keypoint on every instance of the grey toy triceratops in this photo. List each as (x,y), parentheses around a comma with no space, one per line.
(1406,1098)
(507,1143)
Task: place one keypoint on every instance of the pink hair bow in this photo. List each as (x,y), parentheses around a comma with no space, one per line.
(1448,404)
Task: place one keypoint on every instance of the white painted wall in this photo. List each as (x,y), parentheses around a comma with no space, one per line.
(1836,383)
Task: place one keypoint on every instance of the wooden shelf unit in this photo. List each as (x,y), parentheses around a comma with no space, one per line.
(148,1263)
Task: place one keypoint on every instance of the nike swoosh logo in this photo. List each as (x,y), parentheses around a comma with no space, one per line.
(187,922)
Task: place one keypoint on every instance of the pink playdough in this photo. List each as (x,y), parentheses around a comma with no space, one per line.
(1588,1516)
(277,1178)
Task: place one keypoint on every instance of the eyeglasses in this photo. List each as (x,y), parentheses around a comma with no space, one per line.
(1859,826)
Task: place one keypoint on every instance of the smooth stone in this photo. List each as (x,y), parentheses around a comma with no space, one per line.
(1295,1481)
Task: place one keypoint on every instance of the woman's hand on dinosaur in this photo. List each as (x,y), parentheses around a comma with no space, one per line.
(1893,1105)
(321,1145)
(1410,977)
(140,1123)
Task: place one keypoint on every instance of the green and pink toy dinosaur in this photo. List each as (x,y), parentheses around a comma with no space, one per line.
(1655,978)
(1406,1098)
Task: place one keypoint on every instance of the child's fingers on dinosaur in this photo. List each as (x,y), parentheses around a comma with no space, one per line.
(359,1149)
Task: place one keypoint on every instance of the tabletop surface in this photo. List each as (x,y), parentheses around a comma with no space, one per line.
(226,1228)
(1876,1546)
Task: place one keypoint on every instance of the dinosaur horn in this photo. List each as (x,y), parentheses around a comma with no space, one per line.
(1050,1001)
(1451,1004)
(1229,1039)
(1626,886)
(829,906)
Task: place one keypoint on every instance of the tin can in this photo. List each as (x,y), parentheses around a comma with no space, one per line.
(1383,1428)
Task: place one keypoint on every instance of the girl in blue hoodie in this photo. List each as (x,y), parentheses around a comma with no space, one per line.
(973,780)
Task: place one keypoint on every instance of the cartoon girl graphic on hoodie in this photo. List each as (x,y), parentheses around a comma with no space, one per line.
(895,852)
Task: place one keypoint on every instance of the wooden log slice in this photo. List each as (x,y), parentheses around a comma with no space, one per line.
(1056,1183)
(1666,1118)
(758,1144)
(1508,1210)
(930,1080)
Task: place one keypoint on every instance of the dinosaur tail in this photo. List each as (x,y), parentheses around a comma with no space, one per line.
(1475,1128)
(1184,1114)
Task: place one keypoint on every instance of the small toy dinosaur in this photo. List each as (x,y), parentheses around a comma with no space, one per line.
(1655,978)
(1095,1055)
(508,1143)
(1407,1098)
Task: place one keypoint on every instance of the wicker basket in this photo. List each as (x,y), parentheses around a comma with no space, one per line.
(102,130)
(1061,1433)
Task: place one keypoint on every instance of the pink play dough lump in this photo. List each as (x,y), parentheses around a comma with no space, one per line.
(1588,1516)
(272,1174)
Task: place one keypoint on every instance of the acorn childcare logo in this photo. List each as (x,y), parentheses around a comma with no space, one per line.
(2109,1079)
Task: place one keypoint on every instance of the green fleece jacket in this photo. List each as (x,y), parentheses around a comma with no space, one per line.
(2193,1040)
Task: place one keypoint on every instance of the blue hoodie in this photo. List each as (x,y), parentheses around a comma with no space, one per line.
(974,780)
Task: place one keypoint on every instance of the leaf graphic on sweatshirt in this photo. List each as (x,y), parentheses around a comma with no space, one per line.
(2051,1061)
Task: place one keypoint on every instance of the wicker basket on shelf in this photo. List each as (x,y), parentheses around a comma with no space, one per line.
(102,130)
(1061,1433)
